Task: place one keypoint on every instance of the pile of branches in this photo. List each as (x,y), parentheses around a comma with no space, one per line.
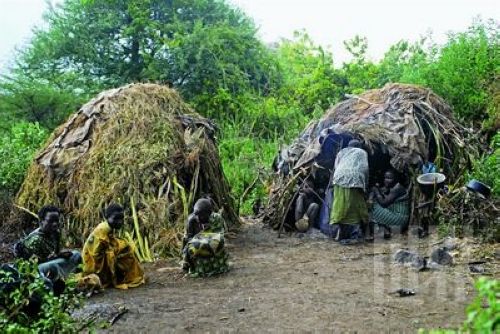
(462,212)
(141,146)
(282,195)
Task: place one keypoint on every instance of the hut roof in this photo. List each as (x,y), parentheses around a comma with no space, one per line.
(410,122)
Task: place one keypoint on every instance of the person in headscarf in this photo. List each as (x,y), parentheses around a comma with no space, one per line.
(350,181)
(112,258)
(203,244)
(44,245)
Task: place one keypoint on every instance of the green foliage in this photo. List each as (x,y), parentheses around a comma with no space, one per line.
(208,50)
(200,47)
(487,169)
(483,314)
(250,139)
(30,100)
(404,62)
(464,71)
(309,80)
(17,148)
(360,74)
(467,65)
(54,315)
(246,161)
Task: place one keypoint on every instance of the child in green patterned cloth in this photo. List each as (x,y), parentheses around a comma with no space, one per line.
(203,244)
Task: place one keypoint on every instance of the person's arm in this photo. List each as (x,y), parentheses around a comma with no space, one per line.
(191,226)
(366,171)
(94,250)
(21,251)
(384,201)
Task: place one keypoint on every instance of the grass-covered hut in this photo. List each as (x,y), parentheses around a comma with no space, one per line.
(139,145)
(402,126)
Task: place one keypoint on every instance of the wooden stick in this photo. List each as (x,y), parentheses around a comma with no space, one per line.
(289,204)
(286,213)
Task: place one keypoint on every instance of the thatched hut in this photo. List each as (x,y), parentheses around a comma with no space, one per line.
(139,145)
(402,126)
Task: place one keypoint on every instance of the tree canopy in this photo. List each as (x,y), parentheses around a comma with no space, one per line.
(200,47)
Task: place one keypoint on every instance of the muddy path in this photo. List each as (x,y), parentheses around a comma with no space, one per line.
(299,283)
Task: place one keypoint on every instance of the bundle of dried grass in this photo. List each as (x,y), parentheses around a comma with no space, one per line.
(139,145)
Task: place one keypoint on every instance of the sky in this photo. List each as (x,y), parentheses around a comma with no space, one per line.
(329,23)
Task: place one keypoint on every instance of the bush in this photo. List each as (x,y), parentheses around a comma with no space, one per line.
(34,100)
(463,71)
(17,148)
(483,314)
(18,306)
(246,159)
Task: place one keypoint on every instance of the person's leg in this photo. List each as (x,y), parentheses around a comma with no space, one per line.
(424,228)
(52,269)
(343,232)
(369,237)
(349,233)
(60,268)
(405,227)
(71,264)
(312,212)
(387,231)
(299,207)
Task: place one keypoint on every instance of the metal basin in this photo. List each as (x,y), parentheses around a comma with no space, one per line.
(430,183)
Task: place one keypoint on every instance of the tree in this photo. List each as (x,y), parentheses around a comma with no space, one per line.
(35,100)
(466,70)
(360,73)
(309,79)
(200,47)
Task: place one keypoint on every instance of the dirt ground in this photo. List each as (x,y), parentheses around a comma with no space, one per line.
(298,283)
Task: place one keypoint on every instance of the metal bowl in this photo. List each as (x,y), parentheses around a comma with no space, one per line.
(430,183)
(431,179)
(479,187)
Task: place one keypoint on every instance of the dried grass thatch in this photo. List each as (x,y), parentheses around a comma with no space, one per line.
(408,123)
(139,145)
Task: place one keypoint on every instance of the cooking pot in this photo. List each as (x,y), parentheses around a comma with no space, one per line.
(430,183)
(479,187)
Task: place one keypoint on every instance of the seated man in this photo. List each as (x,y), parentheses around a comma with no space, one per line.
(43,244)
(390,205)
(203,244)
(306,206)
(112,258)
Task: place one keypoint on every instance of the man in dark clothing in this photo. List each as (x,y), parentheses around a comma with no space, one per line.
(306,206)
(43,244)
